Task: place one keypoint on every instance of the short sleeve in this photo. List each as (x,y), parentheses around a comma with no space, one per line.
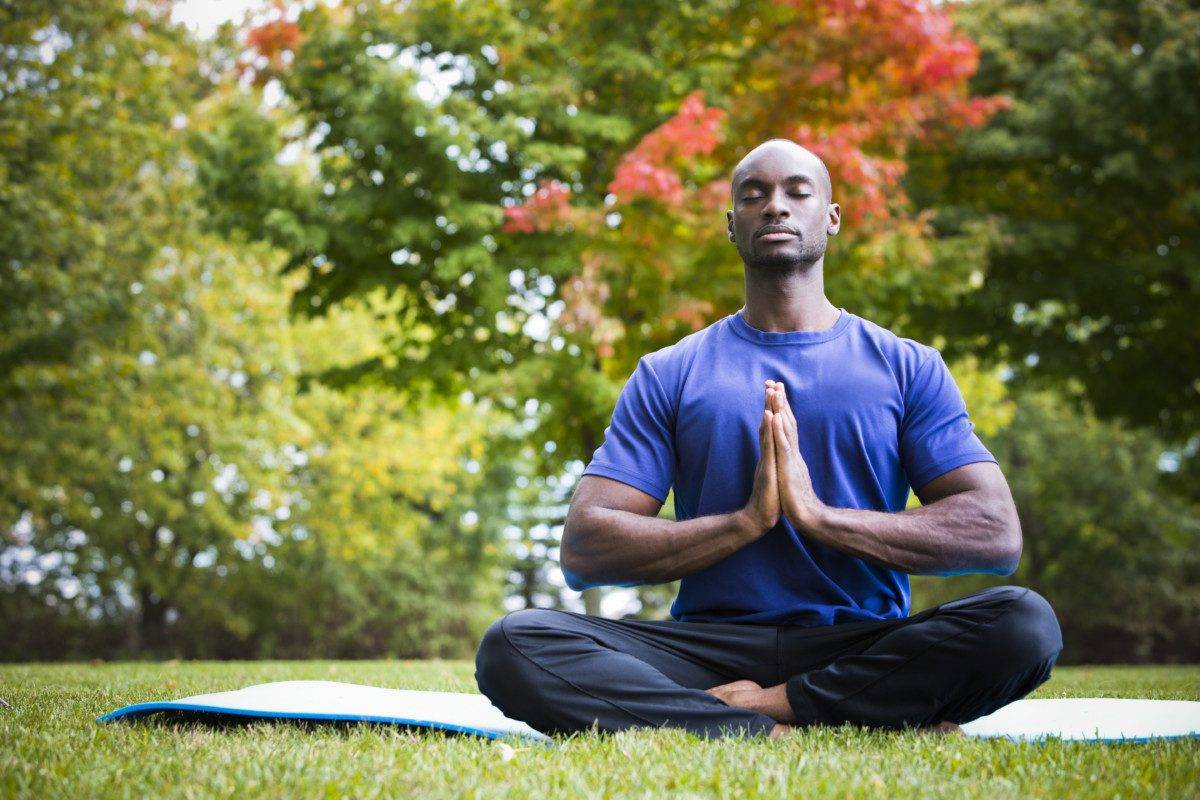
(936,434)
(639,443)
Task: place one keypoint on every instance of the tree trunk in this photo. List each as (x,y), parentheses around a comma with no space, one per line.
(591,601)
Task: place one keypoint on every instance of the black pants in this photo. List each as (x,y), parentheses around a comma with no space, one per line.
(560,671)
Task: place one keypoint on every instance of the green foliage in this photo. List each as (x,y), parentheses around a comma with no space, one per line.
(1092,181)
(176,489)
(165,487)
(244,191)
(87,100)
(51,747)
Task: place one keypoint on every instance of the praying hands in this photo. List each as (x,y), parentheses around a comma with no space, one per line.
(782,484)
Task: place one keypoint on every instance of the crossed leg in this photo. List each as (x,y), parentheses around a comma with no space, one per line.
(950,664)
(561,672)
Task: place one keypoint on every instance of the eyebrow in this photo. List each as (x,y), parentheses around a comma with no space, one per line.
(788,179)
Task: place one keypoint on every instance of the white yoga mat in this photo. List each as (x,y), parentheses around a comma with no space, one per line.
(332,701)
(1075,719)
(1090,719)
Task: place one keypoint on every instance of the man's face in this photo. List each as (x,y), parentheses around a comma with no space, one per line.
(782,215)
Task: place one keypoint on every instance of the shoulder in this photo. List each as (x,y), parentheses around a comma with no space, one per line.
(672,364)
(906,358)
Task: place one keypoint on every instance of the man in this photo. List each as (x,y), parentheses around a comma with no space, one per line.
(792,431)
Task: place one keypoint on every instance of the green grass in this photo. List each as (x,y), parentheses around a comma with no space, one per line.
(50,746)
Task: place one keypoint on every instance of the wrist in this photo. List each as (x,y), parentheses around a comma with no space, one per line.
(814,519)
(746,525)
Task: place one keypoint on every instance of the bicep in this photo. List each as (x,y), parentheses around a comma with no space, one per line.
(983,477)
(986,508)
(595,492)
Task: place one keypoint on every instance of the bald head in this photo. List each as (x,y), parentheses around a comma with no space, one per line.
(802,156)
(783,211)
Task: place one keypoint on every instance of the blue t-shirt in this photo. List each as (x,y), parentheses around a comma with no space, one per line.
(876,414)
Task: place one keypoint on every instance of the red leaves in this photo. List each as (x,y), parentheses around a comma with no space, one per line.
(972,112)
(545,210)
(272,38)
(858,81)
(270,44)
(824,73)
(637,176)
(956,61)
(649,170)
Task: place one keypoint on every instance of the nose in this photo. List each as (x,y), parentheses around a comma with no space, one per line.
(775,208)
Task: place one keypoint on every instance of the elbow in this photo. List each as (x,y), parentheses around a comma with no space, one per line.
(1006,568)
(574,572)
(1008,555)
(574,582)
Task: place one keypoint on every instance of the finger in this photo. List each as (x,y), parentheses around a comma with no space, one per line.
(789,417)
(785,406)
(777,399)
(781,440)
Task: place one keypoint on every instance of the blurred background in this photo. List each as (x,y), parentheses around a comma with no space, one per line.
(311,313)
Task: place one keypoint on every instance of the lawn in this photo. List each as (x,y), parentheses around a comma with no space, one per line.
(50,746)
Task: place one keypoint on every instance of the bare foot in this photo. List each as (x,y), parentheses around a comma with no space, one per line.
(945,727)
(745,694)
(739,694)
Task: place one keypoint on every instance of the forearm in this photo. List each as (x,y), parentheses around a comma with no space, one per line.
(965,532)
(614,546)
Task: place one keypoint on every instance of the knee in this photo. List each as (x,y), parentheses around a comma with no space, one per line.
(1028,630)
(499,661)
(528,622)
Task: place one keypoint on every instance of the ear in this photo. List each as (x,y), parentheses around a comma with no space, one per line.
(729,223)
(835,219)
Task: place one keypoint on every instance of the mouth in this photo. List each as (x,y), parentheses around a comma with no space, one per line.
(775,235)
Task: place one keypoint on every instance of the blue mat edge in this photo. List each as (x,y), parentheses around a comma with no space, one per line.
(138,710)
(1052,738)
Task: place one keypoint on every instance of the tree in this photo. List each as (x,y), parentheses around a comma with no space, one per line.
(90,94)
(164,485)
(176,486)
(1092,181)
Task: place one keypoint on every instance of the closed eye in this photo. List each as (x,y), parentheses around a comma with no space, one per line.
(748,198)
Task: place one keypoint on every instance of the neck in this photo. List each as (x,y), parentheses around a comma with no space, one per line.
(792,300)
